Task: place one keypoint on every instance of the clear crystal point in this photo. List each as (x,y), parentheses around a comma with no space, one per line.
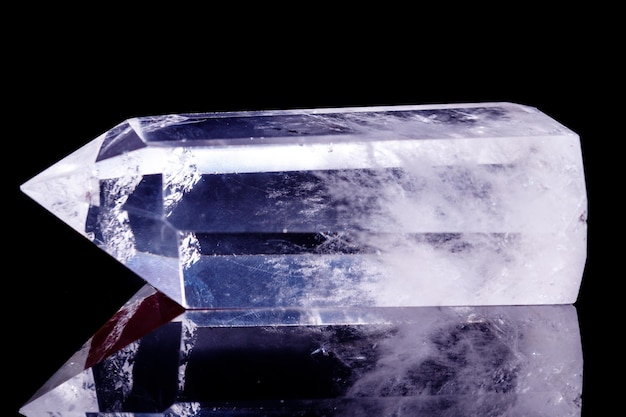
(476,204)
(388,261)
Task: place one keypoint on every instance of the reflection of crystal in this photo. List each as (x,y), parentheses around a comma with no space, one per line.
(348,262)
(434,361)
(481,204)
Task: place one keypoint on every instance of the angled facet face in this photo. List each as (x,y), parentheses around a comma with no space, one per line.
(481,204)
(369,261)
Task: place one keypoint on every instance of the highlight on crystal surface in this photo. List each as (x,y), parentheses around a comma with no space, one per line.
(411,361)
(464,204)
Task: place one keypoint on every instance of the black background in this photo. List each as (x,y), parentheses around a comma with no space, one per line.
(73,74)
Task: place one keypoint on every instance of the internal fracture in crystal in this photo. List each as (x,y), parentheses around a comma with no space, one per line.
(475,204)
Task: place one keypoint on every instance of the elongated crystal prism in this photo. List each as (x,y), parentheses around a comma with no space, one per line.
(464,204)
(411,361)
(368,261)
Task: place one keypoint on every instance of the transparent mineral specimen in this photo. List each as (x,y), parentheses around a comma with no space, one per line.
(371,261)
(475,204)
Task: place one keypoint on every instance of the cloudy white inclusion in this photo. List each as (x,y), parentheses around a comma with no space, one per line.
(179,177)
(191,409)
(120,366)
(188,250)
(118,236)
(505,227)
(187,343)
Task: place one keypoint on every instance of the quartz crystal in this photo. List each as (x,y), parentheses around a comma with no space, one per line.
(386,362)
(473,204)
(366,261)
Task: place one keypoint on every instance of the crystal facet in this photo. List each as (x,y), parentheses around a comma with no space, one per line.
(475,204)
(387,261)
